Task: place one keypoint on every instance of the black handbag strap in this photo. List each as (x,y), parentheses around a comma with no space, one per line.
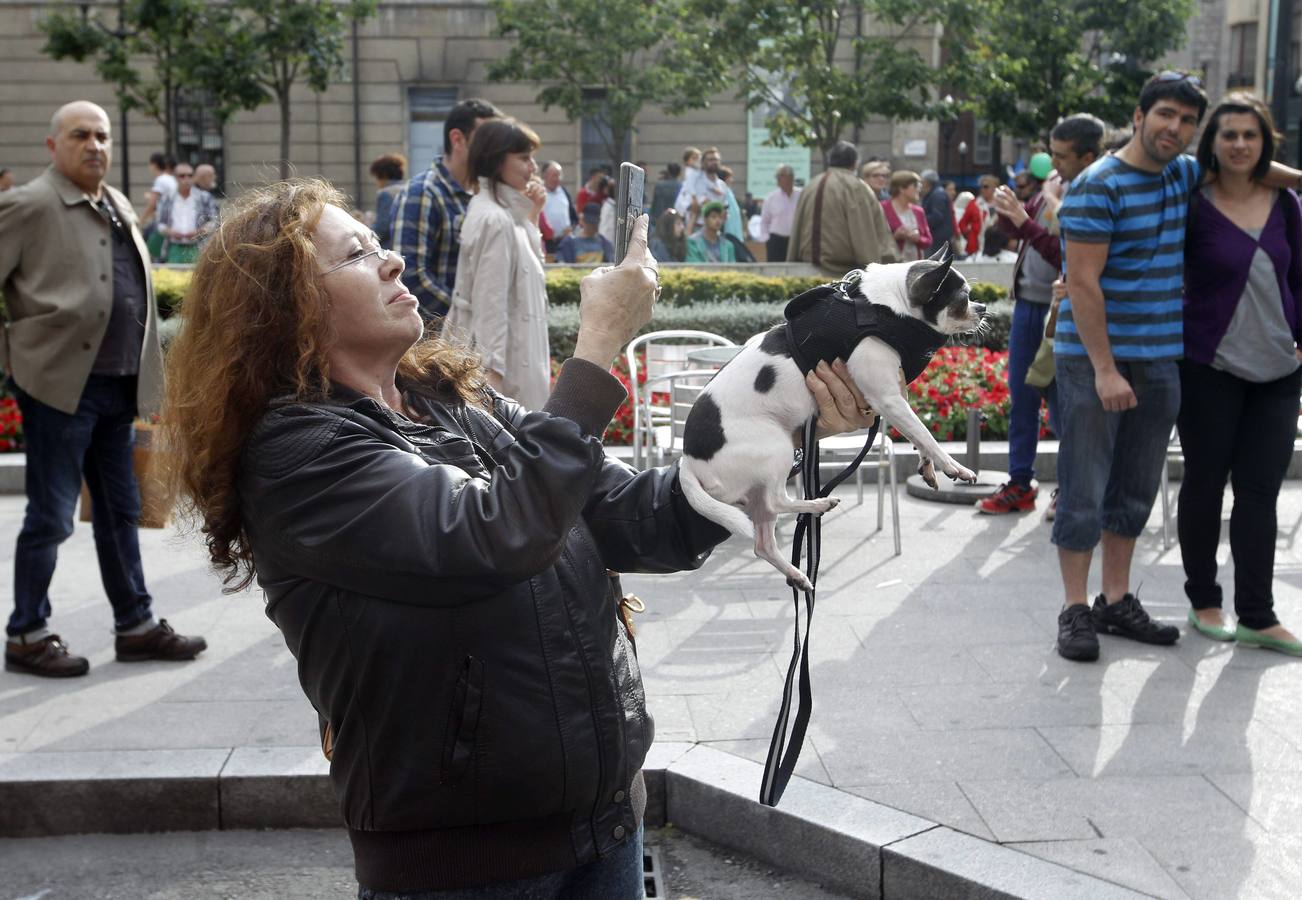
(784,749)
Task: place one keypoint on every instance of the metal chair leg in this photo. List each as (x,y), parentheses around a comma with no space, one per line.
(895,504)
(881,477)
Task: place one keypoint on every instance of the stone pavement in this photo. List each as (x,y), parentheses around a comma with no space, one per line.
(1176,772)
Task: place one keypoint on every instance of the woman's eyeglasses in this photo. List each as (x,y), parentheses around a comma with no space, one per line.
(362,254)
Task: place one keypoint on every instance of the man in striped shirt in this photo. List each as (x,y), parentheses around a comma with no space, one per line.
(427,214)
(1119,335)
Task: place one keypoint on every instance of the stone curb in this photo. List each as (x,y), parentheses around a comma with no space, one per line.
(847,843)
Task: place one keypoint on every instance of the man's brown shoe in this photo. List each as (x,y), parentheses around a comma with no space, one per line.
(158,643)
(48,657)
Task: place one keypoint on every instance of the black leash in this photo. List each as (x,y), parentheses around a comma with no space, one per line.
(783,753)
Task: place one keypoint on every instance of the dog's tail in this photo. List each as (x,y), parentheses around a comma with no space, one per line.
(730,517)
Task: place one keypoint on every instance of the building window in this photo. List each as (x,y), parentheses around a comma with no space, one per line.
(198,132)
(596,139)
(983,143)
(1243,55)
(428,109)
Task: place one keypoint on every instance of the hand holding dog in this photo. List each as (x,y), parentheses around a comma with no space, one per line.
(616,301)
(841,406)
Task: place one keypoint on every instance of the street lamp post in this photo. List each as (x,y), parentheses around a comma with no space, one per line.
(947,125)
(120,34)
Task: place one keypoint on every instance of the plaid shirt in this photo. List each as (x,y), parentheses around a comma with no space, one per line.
(427,232)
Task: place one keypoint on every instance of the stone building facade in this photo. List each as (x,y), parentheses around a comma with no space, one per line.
(414,59)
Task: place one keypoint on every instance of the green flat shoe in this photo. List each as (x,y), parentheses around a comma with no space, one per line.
(1215,632)
(1249,638)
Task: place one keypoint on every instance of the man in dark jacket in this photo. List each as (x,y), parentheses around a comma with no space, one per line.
(938,207)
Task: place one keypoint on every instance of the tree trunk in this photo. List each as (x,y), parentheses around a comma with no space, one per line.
(283,97)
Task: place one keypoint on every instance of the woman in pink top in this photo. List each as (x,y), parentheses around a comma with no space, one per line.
(907,221)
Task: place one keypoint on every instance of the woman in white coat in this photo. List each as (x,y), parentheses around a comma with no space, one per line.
(499,305)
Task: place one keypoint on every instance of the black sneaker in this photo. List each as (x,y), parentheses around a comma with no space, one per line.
(1126,618)
(1076,638)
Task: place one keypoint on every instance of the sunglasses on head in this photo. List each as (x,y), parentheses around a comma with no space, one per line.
(1172,75)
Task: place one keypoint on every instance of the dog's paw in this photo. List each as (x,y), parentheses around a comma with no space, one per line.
(801,584)
(828,504)
(927,469)
(961,473)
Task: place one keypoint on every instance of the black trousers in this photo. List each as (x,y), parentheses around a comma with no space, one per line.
(776,248)
(1241,431)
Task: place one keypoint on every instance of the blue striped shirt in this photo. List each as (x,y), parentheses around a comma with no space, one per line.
(1141,217)
(427,232)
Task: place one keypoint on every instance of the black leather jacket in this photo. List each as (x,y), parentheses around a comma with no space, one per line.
(443,589)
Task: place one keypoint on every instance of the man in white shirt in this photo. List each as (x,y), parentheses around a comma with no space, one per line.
(558,210)
(778,214)
(704,188)
(185,217)
(164,185)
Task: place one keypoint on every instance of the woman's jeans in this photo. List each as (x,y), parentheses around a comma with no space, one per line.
(1241,431)
(1024,337)
(617,876)
(95,442)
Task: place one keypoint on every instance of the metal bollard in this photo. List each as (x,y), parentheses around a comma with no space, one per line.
(974,419)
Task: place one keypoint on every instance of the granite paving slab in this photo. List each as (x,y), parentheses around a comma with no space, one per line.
(937,694)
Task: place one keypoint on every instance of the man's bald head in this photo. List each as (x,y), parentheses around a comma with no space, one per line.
(79,142)
(74,110)
(205,177)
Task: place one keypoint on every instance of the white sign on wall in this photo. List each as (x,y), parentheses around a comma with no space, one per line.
(915,147)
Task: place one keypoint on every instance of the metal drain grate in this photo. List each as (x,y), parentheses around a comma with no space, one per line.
(652,873)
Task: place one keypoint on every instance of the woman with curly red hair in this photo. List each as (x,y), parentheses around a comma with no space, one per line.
(435,555)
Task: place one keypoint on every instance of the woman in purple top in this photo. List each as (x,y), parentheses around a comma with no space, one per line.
(1240,377)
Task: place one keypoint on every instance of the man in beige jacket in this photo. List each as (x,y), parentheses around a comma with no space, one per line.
(81,350)
(839,224)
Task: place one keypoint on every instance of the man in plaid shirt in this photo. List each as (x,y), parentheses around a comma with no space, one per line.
(427,215)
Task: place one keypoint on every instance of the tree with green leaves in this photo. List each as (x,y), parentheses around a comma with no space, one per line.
(819,67)
(1032,63)
(163,32)
(268,46)
(602,60)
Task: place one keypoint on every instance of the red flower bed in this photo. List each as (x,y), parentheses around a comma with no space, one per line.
(11,426)
(958,379)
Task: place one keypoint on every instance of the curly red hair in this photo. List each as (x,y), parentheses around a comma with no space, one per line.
(256,326)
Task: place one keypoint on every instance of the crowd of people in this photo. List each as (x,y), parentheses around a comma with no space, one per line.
(492,739)
(181,210)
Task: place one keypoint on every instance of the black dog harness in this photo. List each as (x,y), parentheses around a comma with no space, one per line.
(827,323)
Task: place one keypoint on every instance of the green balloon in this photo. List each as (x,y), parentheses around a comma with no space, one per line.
(1041,165)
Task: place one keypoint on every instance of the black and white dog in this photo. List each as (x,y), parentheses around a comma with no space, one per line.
(737,443)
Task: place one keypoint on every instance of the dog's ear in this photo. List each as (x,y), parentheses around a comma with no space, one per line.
(925,279)
(941,253)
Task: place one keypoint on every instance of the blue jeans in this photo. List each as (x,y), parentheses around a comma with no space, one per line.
(1110,463)
(616,876)
(95,442)
(1024,416)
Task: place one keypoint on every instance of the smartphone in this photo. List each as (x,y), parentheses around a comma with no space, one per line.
(628,206)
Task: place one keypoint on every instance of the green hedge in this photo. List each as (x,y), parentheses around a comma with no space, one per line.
(735,321)
(733,304)
(682,287)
